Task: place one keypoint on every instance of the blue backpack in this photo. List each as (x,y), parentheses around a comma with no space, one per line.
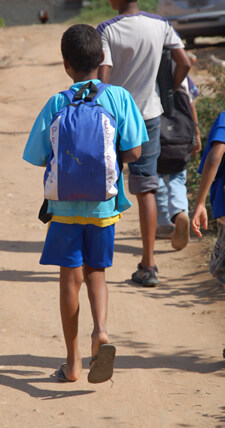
(83,163)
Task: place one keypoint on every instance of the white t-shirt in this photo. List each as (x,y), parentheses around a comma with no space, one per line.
(133,46)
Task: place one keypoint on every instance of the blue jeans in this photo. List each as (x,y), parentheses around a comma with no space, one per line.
(143,175)
(171,197)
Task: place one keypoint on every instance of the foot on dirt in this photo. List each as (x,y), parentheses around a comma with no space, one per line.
(147,276)
(67,374)
(181,235)
(165,232)
(102,364)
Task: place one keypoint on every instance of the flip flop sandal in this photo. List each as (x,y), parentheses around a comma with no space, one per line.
(61,375)
(102,369)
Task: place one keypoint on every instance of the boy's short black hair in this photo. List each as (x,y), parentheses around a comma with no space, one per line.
(81,46)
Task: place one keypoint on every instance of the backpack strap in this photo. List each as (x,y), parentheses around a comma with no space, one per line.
(101,88)
(95,92)
(69,94)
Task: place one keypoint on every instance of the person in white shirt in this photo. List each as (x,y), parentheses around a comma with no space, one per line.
(133,43)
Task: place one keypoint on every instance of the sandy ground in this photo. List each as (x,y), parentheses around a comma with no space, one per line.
(169,370)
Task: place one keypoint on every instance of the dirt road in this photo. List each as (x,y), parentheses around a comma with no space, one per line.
(169,370)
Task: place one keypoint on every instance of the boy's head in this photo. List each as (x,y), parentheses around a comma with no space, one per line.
(118,4)
(81,47)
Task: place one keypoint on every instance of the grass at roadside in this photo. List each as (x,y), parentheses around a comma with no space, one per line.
(100,10)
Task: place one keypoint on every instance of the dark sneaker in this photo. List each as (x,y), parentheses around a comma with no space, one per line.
(146,276)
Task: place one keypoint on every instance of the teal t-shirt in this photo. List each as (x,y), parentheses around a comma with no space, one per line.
(132,132)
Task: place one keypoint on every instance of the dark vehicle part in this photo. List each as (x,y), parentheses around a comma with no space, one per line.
(194,18)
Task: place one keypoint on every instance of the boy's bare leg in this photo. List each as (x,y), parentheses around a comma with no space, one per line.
(148,223)
(98,297)
(70,283)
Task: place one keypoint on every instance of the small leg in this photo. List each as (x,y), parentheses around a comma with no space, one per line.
(101,367)
(70,283)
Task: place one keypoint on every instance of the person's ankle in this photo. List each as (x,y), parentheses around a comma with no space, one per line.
(174,218)
(144,265)
(99,337)
(73,367)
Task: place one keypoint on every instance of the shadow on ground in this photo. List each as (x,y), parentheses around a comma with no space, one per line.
(24,380)
(28,276)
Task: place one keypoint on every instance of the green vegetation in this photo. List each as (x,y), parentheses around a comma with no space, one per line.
(100,10)
(2,22)
(211,102)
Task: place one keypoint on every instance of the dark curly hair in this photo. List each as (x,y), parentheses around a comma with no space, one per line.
(81,46)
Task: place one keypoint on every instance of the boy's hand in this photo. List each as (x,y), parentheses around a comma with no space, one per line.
(200,217)
(197,147)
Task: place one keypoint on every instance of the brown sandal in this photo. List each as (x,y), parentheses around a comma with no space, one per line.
(102,369)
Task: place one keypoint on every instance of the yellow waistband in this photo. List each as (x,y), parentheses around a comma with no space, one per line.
(100,222)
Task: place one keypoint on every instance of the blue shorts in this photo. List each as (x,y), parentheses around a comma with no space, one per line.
(143,172)
(71,245)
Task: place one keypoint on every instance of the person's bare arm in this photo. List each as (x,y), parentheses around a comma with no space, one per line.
(183,65)
(131,155)
(210,169)
(198,146)
(104,73)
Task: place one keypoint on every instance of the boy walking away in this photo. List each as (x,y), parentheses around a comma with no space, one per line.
(180,139)
(80,237)
(212,168)
(133,43)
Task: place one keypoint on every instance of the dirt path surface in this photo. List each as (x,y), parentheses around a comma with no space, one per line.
(169,370)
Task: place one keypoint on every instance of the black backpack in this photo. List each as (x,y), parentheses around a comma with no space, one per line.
(177,136)
(165,82)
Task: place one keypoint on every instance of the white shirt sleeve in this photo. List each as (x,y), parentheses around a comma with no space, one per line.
(172,39)
(106,49)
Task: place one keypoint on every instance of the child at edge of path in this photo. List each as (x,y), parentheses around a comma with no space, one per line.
(80,237)
(212,168)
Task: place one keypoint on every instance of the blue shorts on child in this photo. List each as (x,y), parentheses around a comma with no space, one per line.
(71,245)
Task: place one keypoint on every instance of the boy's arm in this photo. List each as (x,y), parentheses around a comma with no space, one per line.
(198,146)
(210,169)
(38,146)
(131,155)
(131,128)
(183,65)
(104,73)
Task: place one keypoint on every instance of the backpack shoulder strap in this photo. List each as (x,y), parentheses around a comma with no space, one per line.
(77,96)
(95,92)
(70,94)
(101,88)
(182,102)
